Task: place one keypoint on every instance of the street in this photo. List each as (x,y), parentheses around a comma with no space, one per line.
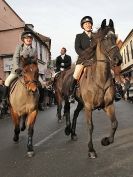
(57,156)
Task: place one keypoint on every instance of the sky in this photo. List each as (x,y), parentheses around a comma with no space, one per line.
(60,19)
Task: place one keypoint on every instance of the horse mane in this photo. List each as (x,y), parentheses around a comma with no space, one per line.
(28,61)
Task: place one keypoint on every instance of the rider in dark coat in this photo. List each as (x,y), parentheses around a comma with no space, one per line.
(82,42)
(63,61)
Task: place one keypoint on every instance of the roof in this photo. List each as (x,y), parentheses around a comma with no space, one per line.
(127,36)
(44,38)
(12,10)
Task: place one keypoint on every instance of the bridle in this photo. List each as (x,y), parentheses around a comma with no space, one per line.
(107,52)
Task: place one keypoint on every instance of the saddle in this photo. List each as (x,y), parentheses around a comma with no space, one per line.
(13,85)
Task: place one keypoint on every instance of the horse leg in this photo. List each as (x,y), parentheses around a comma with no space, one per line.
(16,121)
(67,115)
(91,151)
(23,127)
(30,124)
(59,108)
(110,111)
(59,105)
(74,121)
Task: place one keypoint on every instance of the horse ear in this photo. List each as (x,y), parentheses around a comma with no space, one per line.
(103,24)
(111,23)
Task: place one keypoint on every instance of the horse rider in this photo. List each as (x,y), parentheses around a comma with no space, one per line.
(24,50)
(82,42)
(63,61)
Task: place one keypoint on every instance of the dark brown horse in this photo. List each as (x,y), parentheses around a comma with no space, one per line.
(23,100)
(96,86)
(59,81)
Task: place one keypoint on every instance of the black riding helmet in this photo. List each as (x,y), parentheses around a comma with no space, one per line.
(26,34)
(86,19)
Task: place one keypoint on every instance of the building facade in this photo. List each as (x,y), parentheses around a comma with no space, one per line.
(11,27)
(127,55)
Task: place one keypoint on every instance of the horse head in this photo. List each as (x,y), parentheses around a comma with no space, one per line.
(30,76)
(107,39)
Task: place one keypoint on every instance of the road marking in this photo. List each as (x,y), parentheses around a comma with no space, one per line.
(48,137)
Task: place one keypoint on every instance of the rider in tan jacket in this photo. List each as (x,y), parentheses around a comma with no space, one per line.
(24,50)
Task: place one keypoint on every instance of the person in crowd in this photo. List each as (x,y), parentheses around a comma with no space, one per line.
(1,88)
(63,61)
(126,87)
(41,91)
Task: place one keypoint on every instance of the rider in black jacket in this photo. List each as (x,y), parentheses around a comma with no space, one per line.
(63,61)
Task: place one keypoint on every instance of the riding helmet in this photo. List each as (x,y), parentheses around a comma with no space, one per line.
(26,34)
(86,19)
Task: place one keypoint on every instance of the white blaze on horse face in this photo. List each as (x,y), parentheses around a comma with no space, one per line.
(31,69)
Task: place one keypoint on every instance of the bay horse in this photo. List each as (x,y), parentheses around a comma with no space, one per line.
(96,83)
(23,102)
(96,88)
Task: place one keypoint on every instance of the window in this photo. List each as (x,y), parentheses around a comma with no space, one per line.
(122,58)
(131,46)
(125,56)
(127,53)
(40,52)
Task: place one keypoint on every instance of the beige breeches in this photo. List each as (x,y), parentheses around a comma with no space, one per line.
(10,78)
(78,70)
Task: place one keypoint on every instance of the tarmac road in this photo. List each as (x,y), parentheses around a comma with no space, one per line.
(57,156)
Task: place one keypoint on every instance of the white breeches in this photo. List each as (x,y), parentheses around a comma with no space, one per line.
(78,70)
(10,78)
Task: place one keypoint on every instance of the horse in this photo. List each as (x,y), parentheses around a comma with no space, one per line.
(58,88)
(23,102)
(96,88)
(96,84)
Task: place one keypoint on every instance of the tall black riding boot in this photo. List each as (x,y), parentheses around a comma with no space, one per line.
(72,90)
(4,97)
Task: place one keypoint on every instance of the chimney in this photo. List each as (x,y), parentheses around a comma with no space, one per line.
(30,26)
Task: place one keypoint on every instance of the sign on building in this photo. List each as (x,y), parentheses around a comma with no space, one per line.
(8,64)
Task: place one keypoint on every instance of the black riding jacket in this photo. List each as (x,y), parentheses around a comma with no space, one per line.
(82,42)
(66,61)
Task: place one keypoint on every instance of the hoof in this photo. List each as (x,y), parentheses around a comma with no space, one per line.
(74,137)
(23,128)
(16,139)
(30,154)
(68,130)
(106,141)
(59,120)
(92,155)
